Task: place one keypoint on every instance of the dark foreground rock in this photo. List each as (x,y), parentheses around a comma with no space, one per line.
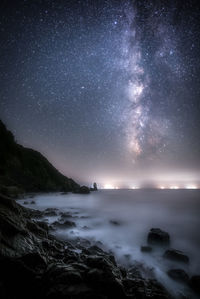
(34,264)
(176,255)
(156,236)
(84,190)
(64,224)
(146,248)
(178,275)
(195,283)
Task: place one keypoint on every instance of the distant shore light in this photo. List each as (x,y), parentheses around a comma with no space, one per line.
(109,186)
(174,187)
(134,187)
(191,187)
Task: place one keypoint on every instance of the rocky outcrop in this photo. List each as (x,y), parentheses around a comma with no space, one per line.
(176,255)
(34,264)
(178,275)
(94,188)
(156,236)
(83,190)
(24,169)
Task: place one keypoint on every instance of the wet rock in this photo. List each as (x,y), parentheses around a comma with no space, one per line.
(35,213)
(159,237)
(33,202)
(25,202)
(127,256)
(114,222)
(195,283)
(62,225)
(99,244)
(43,225)
(64,215)
(84,190)
(144,288)
(146,248)
(178,275)
(51,212)
(176,255)
(36,228)
(85,227)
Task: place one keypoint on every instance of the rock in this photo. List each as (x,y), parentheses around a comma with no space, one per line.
(43,225)
(179,275)
(33,202)
(64,215)
(94,187)
(194,283)
(11,191)
(35,213)
(176,255)
(144,288)
(114,222)
(159,237)
(50,212)
(65,224)
(146,248)
(25,202)
(85,227)
(84,190)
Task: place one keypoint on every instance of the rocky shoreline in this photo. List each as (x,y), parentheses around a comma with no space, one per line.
(34,263)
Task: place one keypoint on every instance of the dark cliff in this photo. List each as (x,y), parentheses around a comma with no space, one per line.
(28,169)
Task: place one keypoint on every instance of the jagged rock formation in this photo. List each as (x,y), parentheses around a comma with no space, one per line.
(94,188)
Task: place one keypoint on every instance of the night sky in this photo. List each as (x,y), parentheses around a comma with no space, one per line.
(108,91)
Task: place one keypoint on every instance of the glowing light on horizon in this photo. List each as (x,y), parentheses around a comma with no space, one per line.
(134,187)
(109,186)
(191,187)
(162,187)
(174,187)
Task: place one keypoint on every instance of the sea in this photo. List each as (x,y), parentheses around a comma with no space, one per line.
(119,222)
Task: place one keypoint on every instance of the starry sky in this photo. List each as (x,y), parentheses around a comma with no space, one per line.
(107,90)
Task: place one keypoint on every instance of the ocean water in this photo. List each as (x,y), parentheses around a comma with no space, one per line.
(121,220)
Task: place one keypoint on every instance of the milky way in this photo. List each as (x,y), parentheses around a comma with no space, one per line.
(107,90)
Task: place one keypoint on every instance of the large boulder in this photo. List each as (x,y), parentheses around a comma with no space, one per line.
(178,275)
(64,224)
(50,212)
(84,190)
(176,255)
(156,236)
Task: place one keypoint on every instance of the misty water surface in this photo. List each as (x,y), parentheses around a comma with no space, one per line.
(121,219)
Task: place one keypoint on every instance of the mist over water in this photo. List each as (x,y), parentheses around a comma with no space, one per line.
(121,220)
